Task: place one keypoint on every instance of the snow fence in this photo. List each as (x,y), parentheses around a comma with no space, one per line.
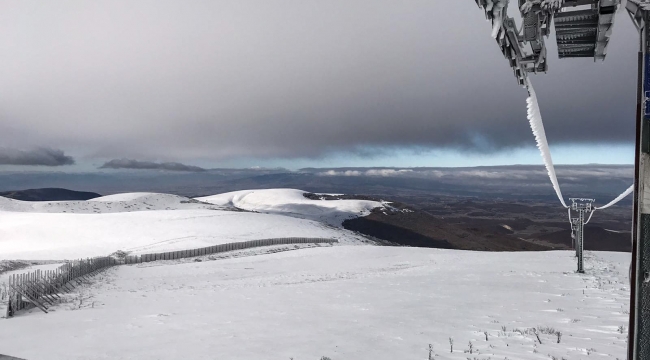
(42,289)
(173,255)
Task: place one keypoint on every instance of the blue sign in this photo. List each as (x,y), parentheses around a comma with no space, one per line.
(646,83)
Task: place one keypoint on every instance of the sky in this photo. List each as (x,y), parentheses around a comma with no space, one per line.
(293,83)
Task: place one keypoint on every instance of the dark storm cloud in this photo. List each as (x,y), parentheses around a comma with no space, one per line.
(285,78)
(38,156)
(135,164)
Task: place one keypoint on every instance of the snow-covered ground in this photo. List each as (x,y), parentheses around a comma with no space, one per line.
(300,302)
(291,202)
(344,302)
(38,236)
(108,204)
(148,222)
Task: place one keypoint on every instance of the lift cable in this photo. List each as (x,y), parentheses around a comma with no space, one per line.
(537,126)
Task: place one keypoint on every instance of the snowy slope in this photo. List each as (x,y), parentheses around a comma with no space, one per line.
(107,204)
(291,202)
(342,302)
(150,222)
(42,236)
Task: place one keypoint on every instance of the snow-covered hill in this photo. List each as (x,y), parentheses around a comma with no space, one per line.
(108,204)
(291,202)
(343,302)
(149,222)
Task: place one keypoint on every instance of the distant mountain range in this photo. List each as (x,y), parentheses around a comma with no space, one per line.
(516,182)
(49,194)
(460,208)
(489,225)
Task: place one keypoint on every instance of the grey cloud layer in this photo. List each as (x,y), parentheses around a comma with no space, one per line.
(38,156)
(220,80)
(148,165)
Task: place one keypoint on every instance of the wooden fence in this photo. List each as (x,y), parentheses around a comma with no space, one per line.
(172,255)
(42,288)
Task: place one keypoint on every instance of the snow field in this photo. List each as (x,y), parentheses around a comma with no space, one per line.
(291,202)
(342,302)
(149,222)
(108,204)
(40,236)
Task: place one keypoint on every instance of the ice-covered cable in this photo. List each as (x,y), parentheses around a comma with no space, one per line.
(619,198)
(535,120)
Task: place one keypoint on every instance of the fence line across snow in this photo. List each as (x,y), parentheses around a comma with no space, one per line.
(42,288)
(173,255)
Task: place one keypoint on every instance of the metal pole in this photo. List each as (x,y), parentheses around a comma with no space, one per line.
(580,240)
(582,207)
(639,329)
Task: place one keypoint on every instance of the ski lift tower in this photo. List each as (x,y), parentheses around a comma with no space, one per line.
(583,29)
(582,207)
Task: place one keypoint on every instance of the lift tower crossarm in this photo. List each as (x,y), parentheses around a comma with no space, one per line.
(582,27)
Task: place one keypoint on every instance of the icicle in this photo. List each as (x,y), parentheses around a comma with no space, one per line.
(498,14)
(536,125)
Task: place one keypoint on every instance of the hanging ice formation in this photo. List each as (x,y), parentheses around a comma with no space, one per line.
(525,50)
(537,126)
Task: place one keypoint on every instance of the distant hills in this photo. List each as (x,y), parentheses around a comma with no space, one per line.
(511,183)
(414,218)
(49,194)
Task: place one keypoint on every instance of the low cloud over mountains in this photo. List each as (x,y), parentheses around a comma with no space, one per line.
(38,156)
(148,165)
(602,182)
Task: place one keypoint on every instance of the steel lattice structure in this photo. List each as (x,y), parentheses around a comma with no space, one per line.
(583,29)
(582,207)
